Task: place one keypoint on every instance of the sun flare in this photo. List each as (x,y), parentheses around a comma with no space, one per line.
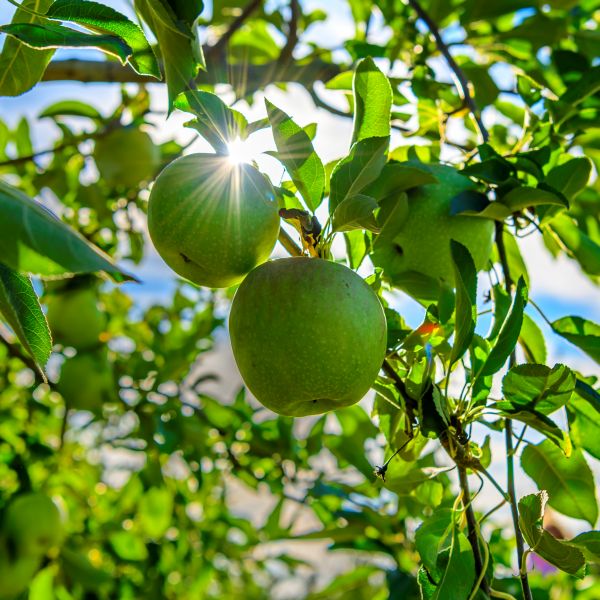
(241,151)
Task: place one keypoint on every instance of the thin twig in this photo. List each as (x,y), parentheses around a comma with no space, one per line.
(288,243)
(472,529)
(508,430)
(461,81)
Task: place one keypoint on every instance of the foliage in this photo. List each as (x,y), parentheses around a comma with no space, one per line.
(506,96)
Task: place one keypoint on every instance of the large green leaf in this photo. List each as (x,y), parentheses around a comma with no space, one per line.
(580,245)
(296,152)
(361,167)
(569,481)
(540,422)
(584,334)
(459,576)
(539,387)
(556,552)
(178,45)
(430,537)
(396,178)
(105,20)
(570,177)
(532,341)
(372,102)
(584,425)
(589,544)
(50,35)
(356,212)
(34,241)
(20,308)
(465,278)
(509,333)
(21,67)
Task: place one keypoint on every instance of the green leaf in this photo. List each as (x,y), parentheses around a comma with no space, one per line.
(569,481)
(532,341)
(50,35)
(20,308)
(372,102)
(356,212)
(465,277)
(539,387)
(296,152)
(128,546)
(589,544)
(396,178)
(155,512)
(105,20)
(509,333)
(501,307)
(71,108)
(216,121)
(584,425)
(557,552)
(21,67)
(514,201)
(178,45)
(580,332)
(581,247)
(571,177)
(361,167)
(459,576)
(540,422)
(356,247)
(431,536)
(34,241)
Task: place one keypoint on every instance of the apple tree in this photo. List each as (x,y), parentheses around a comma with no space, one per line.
(415,409)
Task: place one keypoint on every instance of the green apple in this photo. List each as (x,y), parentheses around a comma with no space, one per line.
(87,380)
(16,573)
(74,318)
(32,524)
(308,335)
(416,247)
(212,221)
(126,157)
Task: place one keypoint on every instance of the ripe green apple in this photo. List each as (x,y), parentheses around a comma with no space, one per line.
(33,524)
(420,243)
(87,380)
(16,573)
(125,157)
(74,318)
(212,221)
(308,335)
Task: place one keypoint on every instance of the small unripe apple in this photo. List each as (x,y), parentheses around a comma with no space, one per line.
(212,221)
(421,243)
(87,380)
(74,317)
(126,157)
(308,335)
(33,524)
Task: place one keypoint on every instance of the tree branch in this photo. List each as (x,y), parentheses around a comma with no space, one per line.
(292,38)
(235,25)
(461,81)
(305,72)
